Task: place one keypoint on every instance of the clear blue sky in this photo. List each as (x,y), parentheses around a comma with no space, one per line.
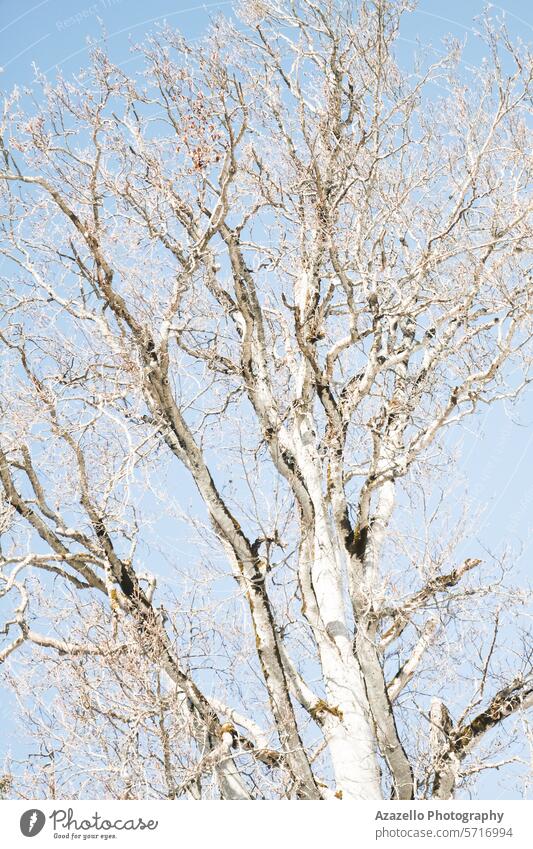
(498,456)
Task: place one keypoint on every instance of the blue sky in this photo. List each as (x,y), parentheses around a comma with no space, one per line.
(53,33)
(498,451)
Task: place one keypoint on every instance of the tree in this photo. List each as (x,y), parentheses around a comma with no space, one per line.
(282,263)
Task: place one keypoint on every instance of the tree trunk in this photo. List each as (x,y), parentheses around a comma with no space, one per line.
(351,739)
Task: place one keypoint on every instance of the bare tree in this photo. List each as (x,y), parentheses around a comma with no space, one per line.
(281,263)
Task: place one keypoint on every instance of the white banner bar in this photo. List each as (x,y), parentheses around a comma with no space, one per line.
(276,825)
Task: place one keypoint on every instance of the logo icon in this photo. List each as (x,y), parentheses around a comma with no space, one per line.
(32,822)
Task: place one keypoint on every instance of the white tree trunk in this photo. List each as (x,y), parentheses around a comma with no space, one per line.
(350,737)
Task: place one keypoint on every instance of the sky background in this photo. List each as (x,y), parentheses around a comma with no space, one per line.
(497,459)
